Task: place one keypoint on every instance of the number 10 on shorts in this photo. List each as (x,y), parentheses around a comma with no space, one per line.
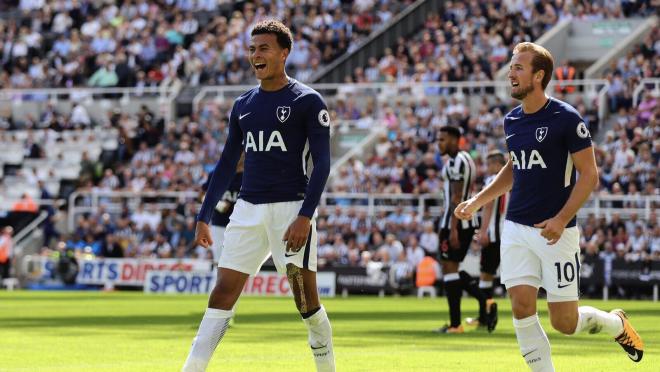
(568,272)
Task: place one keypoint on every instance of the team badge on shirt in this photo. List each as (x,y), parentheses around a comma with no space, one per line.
(541,133)
(283,113)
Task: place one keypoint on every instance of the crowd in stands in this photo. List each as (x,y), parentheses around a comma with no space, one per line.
(642,62)
(145,43)
(471,41)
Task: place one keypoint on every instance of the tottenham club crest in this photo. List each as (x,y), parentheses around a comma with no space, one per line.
(283,113)
(541,133)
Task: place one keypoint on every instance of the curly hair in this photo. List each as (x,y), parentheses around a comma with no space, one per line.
(273,26)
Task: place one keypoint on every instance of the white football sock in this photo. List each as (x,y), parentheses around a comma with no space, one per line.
(534,344)
(210,332)
(593,320)
(485,284)
(320,340)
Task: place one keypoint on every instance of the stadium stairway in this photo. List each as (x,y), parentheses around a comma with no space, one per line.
(403,24)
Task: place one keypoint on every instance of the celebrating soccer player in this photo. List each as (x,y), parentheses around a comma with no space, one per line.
(548,142)
(279,125)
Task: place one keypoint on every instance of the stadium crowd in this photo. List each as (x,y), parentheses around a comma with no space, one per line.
(147,43)
(472,40)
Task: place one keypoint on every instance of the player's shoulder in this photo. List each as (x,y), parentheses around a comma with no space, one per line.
(240,100)
(304,92)
(515,114)
(563,110)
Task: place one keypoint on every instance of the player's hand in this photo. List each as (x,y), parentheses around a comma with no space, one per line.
(552,229)
(466,209)
(454,243)
(483,238)
(297,233)
(202,235)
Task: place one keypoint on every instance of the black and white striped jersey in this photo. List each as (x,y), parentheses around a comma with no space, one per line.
(460,168)
(496,222)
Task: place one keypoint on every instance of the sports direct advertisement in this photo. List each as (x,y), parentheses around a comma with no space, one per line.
(265,283)
(121,271)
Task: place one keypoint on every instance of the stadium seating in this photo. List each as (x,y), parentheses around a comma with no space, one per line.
(125,44)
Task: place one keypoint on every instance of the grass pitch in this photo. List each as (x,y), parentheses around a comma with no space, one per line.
(74,331)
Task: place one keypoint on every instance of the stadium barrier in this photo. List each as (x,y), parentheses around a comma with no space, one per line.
(593,90)
(189,276)
(90,201)
(29,102)
(653,85)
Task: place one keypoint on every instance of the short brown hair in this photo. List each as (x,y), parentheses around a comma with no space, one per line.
(541,61)
(277,28)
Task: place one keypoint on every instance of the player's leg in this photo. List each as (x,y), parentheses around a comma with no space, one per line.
(218,235)
(561,269)
(521,273)
(305,293)
(490,261)
(215,322)
(452,285)
(468,283)
(244,250)
(300,268)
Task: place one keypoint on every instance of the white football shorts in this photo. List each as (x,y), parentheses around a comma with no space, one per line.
(527,259)
(255,231)
(218,236)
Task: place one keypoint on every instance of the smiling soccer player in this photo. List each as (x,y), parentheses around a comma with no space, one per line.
(548,142)
(279,125)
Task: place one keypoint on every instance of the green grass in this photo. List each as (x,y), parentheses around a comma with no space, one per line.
(68,331)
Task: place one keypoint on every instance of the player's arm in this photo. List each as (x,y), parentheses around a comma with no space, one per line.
(219,182)
(318,135)
(585,164)
(501,184)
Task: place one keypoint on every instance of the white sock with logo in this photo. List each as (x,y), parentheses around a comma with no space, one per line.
(593,320)
(320,340)
(211,330)
(534,344)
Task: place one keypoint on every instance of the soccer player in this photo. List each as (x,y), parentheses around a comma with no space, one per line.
(458,174)
(279,125)
(548,142)
(492,219)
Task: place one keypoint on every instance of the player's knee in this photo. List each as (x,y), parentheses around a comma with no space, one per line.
(565,323)
(523,308)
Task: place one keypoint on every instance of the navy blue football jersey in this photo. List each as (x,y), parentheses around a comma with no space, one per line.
(540,147)
(279,131)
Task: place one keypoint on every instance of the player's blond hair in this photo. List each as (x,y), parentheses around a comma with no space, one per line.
(541,61)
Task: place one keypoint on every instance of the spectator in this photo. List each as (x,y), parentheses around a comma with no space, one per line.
(6,251)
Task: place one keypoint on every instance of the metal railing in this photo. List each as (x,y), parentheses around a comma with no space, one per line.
(113,201)
(165,96)
(593,88)
(598,205)
(643,85)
